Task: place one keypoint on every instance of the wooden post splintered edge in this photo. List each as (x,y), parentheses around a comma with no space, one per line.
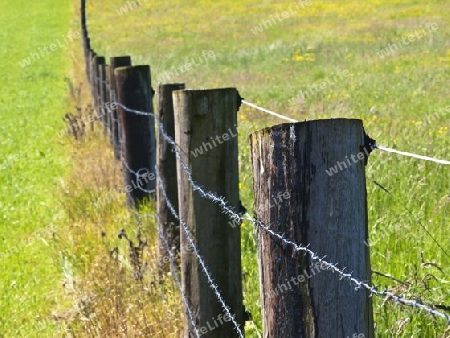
(296,196)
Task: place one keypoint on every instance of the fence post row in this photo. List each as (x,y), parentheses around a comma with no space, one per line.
(167,168)
(138,131)
(202,117)
(294,194)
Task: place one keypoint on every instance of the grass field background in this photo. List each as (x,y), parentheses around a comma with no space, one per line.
(53,232)
(32,162)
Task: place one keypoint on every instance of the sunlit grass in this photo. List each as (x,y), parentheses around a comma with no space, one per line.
(32,103)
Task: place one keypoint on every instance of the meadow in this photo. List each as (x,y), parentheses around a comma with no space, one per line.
(396,60)
(32,163)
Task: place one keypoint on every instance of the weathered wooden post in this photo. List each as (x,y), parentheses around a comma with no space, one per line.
(95,83)
(167,168)
(119,61)
(205,130)
(91,55)
(84,31)
(102,100)
(87,50)
(107,110)
(138,131)
(83,13)
(85,35)
(300,198)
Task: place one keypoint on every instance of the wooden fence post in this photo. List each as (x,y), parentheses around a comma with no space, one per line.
(296,195)
(167,167)
(205,130)
(95,62)
(107,99)
(91,55)
(83,13)
(87,54)
(138,131)
(92,72)
(102,96)
(119,61)
(84,35)
(86,49)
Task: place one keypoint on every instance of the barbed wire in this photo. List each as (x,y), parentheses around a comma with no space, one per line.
(202,263)
(172,265)
(166,245)
(329,266)
(226,209)
(232,214)
(253,105)
(117,143)
(212,285)
(175,276)
(177,281)
(137,175)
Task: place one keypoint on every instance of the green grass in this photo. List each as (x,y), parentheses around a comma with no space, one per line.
(32,162)
(394,96)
